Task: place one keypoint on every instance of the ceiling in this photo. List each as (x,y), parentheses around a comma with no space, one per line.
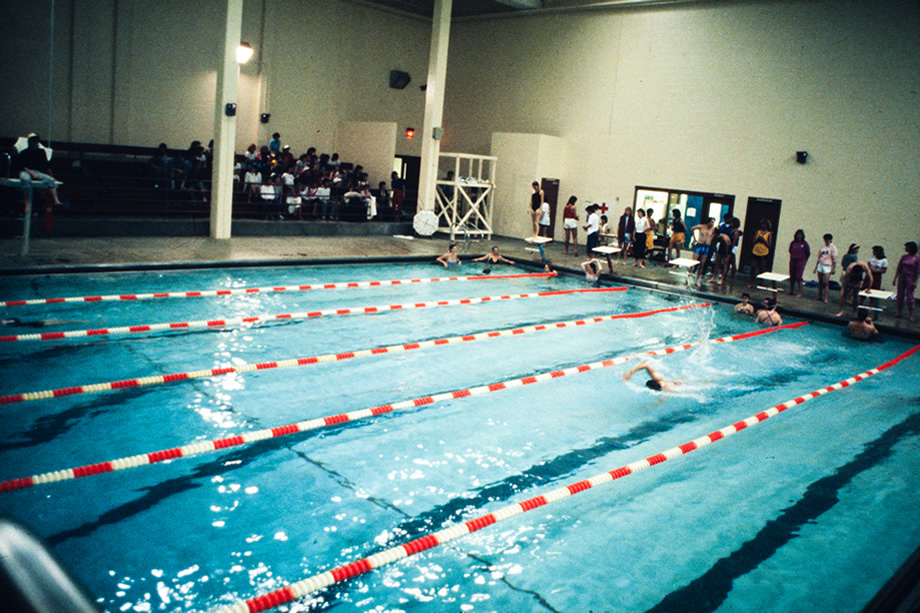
(473,8)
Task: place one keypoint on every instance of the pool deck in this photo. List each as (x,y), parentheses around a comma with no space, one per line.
(61,255)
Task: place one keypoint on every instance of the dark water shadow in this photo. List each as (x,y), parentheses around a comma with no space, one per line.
(710,590)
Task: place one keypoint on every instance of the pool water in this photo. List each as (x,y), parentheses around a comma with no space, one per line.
(813,509)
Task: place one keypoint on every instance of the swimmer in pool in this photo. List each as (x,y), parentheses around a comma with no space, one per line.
(657,382)
(592,270)
(450,259)
(745,307)
(862,327)
(493,258)
(39,323)
(768,316)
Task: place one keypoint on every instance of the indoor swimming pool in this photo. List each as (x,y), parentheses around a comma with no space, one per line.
(812,509)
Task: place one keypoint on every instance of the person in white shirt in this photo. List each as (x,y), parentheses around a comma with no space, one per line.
(544,219)
(639,238)
(592,228)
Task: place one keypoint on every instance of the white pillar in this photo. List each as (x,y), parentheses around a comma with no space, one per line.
(434,104)
(228,79)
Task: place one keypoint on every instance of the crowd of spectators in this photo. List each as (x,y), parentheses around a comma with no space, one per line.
(313,185)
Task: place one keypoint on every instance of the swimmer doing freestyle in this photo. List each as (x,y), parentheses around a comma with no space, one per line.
(657,382)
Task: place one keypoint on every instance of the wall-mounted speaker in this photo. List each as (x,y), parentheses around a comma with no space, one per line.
(399,79)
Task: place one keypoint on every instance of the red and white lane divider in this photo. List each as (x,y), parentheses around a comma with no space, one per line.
(219,324)
(312,584)
(96,388)
(200,447)
(261,290)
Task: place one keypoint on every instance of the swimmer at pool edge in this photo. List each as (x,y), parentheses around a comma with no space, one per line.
(450,259)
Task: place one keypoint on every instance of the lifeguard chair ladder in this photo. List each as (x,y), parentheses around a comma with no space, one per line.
(463,205)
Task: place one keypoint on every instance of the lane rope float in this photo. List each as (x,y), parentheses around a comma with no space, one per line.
(220,324)
(339,574)
(260,290)
(201,447)
(97,388)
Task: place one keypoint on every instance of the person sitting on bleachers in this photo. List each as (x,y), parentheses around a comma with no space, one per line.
(286,157)
(159,162)
(251,154)
(324,195)
(270,191)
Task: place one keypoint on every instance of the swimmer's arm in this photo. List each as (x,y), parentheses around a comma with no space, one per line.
(640,366)
(502,258)
(481,259)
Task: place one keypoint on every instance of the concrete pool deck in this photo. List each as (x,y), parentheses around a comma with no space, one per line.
(61,255)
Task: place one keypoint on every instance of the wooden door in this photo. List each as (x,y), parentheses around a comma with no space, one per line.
(550,189)
(758,209)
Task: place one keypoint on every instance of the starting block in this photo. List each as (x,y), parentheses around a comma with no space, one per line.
(539,241)
(608,251)
(873,295)
(773,278)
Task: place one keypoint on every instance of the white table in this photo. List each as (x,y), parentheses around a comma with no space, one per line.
(608,251)
(773,278)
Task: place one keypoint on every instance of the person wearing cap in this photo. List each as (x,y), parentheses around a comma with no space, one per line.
(768,316)
(849,257)
(287,158)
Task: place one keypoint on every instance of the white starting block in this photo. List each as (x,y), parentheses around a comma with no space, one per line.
(608,251)
(539,241)
(30,186)
(773,278)
(873,295)
(685,264)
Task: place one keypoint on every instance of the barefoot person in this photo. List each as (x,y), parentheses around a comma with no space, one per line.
(701,251)
(570,224)
(657,382)
(905,279)
(856,278)
(678,232)
(536,207)
(825,266)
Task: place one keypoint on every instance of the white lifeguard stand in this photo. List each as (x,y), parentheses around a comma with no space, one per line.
(463,205)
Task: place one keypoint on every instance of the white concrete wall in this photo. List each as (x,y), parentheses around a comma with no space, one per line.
(707,96)
(137,73)
(371,144)
(714,97)
(523,159)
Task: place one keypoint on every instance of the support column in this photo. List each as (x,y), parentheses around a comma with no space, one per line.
(228,78)
(434,104)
